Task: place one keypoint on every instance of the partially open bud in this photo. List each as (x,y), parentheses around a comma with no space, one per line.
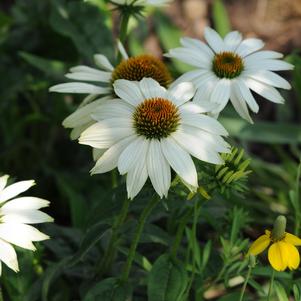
(278,231)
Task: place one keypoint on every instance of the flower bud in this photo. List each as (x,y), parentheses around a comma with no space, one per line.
(279,228)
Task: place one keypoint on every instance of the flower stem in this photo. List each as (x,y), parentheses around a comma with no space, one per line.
(245,283)
(110,251)
(123,32)
(142,219)
(271,285)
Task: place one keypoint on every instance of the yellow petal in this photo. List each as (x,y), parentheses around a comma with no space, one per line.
(259,245)
(293,259)
(278,256)
(292,239)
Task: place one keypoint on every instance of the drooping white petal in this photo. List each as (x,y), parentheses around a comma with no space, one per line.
(232,40)
(243,90)
(76,132)
(122,50)
(272,65)
(197,45)
(109,159)
(151,88)
(189,76)
(264,90)
(97,153)
(102,62)
(15,189)
(80,88)
(24,216)
(200,107)
(261,55)
(190,56)
(137,175)
(82,115)
(130,154)
(158,168)
(196,147)
(203,122)
(249,46)
(240,106)
(8,255)
(182,93)
(214,40)
(179,160)
(114,109)
(3,181)
(205,86)
(128,91)
(21,235)
(270,78)
(102,76)
(221,94)
(25,203)
(105,133)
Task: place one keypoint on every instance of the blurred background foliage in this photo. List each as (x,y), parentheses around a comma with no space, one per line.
(39,41)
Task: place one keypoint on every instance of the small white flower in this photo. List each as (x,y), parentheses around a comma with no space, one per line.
(15,217)
(133,68)
(150,129)
(228,68)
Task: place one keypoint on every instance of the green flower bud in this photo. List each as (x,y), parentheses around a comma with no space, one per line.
(278,231)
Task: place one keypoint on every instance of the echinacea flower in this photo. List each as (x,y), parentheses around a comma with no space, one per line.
(228,68)
(16,215)
(150,129)
(282,251)
(130,68)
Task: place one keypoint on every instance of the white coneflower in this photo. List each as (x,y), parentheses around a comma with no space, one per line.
(228,68)
(133,68)
(150,129)
(16,215)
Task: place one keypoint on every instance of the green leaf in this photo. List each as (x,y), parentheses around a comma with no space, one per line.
(280,291)
(110,289)
(167,280)
(220,18)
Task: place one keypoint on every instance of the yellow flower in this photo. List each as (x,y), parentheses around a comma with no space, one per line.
(282,252)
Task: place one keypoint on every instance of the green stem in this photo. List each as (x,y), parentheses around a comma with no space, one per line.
(142,219)
(245,283)
(297,211)
(108,257)
(271,285)
(1,294)
(123,32)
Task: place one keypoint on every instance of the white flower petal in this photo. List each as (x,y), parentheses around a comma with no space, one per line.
(106,133)
(270,78)
(272,65)
(130,154)
(102,62)
(109,159)
(264,90)
(24,216)
(3,182)
(15,189)
(103,77)
(83,115)
(182,93)
(197,45)
(158,168)
(128,91)
(8,255)
(151,88)
(243,90)
(76,132)
(97,153)
(214,40)
(249,46)
(79,88)
(240,106)
(221,94)
(200,107)
(203,122)
(261,55)
(196,147)
(21,235)
(122,50)
(189,76)
(180,161)
(25,203)
(232,40)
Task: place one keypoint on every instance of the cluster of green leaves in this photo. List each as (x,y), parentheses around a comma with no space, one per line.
(191,245)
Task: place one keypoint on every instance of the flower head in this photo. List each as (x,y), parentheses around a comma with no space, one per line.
(16,215)
(149,129)
(282,251)
(133,68)
(229,68)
